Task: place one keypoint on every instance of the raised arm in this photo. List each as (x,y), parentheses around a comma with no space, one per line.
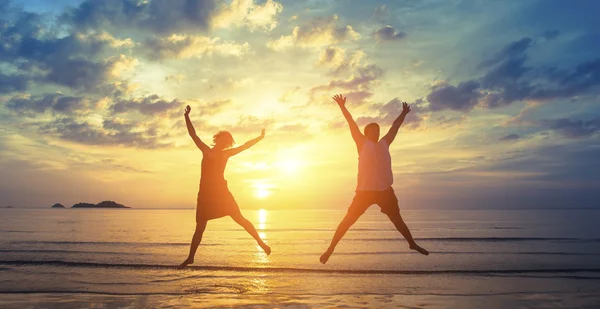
(246,145)
(358,137)
(190,127)
(391,135)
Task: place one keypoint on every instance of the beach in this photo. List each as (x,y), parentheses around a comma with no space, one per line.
(75,258)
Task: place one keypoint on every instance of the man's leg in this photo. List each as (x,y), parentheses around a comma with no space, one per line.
(200,227)
(341,230)
(396,218)
(247,225)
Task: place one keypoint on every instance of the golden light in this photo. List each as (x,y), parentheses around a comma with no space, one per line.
(290,166)
(262,216)
(262,189)
(262,192)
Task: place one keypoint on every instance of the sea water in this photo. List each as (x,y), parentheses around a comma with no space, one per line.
(128,258)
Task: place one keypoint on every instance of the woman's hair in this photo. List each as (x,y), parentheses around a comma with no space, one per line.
(227,138)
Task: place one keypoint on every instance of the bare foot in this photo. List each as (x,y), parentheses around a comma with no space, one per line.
(265,247)
(325,256)
(186,263)
(419,249)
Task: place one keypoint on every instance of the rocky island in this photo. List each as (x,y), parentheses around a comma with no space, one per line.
(58,205)
(103,204)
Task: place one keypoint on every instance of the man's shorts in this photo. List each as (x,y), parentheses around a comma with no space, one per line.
(386,200)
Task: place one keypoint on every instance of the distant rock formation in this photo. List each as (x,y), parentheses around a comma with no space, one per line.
(103,204)
(58,205)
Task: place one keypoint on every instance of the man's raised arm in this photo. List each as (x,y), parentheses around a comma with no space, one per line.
(391,135)
(190,127)
(358,137)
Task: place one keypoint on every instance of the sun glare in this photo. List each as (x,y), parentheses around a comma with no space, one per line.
(290,166)
(262,189)
(262,216)
(262,192)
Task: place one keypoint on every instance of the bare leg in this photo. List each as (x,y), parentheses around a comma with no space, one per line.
(247,225)
(200,227)
(339,233)
(396,218)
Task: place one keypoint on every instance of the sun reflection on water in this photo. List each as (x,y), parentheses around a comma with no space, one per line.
(260,257)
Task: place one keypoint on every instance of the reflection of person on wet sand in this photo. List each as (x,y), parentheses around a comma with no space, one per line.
(375,178)
(214,199)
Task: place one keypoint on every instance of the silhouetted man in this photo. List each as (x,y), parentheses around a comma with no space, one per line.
(375,178)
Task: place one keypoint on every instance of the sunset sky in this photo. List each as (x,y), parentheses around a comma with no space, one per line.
(505,100)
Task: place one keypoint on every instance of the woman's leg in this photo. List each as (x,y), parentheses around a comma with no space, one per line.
(200,227)
(247,225)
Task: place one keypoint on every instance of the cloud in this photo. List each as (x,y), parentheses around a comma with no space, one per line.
(318,32)
(388,34)
(446,122)
(177,78)
(35,53)
(249,14)
(32,106)
(510,137)
(156,16)
(508,79)
(189,46)
(109,133)
(362,80)
(388,112)
(461,98)
(334,58)
(550,34)
(574,128)
(152,105)
(13,82)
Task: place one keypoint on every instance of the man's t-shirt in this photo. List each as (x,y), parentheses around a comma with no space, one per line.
(374,166)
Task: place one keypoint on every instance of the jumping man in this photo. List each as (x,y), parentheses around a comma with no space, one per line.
(375,178)
(214,199)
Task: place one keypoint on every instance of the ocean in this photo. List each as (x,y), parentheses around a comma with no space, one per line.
(127,258)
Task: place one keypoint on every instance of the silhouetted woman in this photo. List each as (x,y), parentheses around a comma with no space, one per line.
(214,199)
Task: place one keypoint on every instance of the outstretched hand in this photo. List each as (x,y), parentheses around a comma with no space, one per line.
(405,108)
(262,133)
(187,110)
(340,100)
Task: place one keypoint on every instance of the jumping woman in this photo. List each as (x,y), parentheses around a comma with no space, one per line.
(214,199)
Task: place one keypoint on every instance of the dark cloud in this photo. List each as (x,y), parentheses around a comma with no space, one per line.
(514,50)
(32,49)
(151,105)
(550,34)
(13,83)
(510,137)
(446,122)
(111,133)
(461,98)
(157,16)
(574,128)
(362,80)
(509,79)
(56,102)
(388,34)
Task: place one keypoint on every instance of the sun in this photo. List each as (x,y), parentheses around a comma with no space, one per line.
(289,166)
(262,193)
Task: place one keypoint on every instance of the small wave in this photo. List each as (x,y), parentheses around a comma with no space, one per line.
(72,252)
(112,243)
(306,270)
(495,239)
(434,239)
